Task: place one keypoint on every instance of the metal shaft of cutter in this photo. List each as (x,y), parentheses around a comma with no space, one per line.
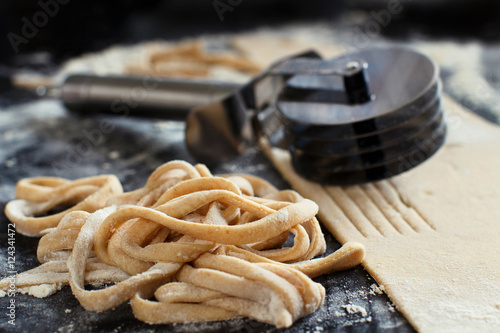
(141,96)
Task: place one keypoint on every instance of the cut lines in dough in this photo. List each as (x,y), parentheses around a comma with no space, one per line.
(390,213)
(411,214)
(352,212)
(378,210)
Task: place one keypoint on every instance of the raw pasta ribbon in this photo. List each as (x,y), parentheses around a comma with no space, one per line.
(186,247)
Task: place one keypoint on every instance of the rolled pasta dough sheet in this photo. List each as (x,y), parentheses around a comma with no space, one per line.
(432,235)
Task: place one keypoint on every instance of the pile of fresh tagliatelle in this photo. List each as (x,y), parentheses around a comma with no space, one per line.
(187,247)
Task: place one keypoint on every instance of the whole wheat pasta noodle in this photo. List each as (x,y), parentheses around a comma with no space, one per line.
(207,247)
(38,195)
(189,59)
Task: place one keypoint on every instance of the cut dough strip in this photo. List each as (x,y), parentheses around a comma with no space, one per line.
(208,248)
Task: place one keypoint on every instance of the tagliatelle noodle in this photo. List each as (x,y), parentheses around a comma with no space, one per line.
(36,196)
(208,248)
(344,258)
(63,237)
(189,59)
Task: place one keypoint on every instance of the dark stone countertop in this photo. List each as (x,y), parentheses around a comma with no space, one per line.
(40,138)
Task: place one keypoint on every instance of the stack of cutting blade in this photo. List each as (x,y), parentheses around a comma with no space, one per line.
(334,142)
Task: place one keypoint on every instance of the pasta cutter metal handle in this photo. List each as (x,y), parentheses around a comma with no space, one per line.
(143,96)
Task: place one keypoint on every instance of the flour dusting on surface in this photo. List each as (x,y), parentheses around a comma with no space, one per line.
(355,309)
(41,291)
(374,289)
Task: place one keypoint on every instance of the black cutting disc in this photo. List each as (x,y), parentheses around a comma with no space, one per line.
(372,157)
(307,168)
(335,142)
(371,140)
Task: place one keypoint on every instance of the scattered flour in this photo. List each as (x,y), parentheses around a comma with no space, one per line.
(379,290)
(114,154)
(355,309)
(66,329)
(97,284)
(40,291)
(282,215)
(10,163)
(339,314)
(391,306)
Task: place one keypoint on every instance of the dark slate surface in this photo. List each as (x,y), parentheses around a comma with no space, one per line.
(41,138)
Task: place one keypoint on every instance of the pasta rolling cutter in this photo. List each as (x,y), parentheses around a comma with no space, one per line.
(361,117)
